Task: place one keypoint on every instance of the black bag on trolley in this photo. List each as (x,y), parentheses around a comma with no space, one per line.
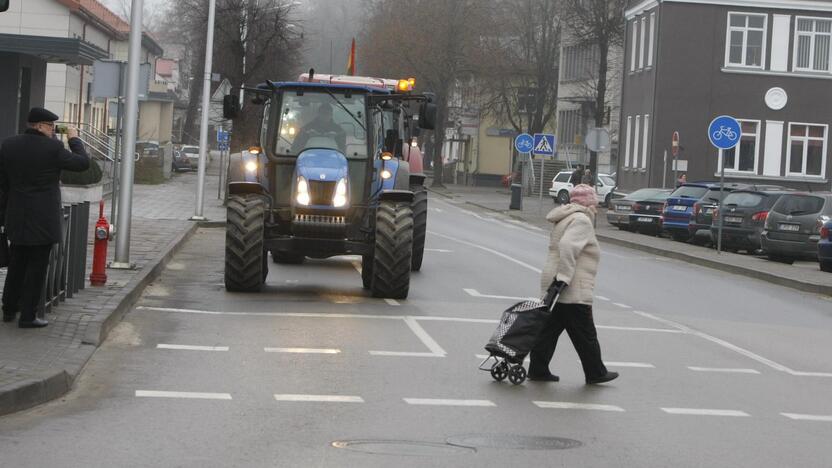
(521,325)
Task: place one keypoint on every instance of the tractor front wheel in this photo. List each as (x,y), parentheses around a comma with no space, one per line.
(393,250)
(245,258)
(420,226)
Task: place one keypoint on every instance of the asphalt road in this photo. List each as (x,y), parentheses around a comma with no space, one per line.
(716,370)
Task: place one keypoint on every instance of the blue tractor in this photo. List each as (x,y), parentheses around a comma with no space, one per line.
(323,180)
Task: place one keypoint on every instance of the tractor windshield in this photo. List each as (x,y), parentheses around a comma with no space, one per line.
(312,119)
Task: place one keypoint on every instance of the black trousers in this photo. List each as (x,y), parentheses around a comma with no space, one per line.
(576,319)
(25,280)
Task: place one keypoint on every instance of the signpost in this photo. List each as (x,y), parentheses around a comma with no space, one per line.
(725,133)
(524,144)
(544,145)
(674,148)
(222,146)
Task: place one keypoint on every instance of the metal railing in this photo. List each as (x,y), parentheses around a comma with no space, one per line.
(66,274)
(102,149)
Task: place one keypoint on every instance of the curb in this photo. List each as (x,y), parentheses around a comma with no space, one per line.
(54,383)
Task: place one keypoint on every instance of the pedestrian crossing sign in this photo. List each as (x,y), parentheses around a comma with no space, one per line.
(544,144)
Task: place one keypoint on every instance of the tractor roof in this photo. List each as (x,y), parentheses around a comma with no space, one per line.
(330,86)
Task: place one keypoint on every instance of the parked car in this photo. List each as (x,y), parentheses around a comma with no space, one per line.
(191,152)
(825,247)
(792,228)
(647,211)
(180,162)
(559,191)
(701,217)
(678,208)
(620,208)
(744,214)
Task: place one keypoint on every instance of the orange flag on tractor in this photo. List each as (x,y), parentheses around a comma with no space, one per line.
(351,60)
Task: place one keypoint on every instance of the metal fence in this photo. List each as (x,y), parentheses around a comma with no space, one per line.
(68,260)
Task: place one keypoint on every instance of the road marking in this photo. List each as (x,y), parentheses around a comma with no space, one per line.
(602,298)
(705,412)
(644,329)
(272,314)
(192,348)
(733,347)
(492,251)
(319,398)
(303,350)
(392,302)
(808,417)
(439,250)
(194,395)
(623,306)
(475,293)
(723,369)
(645,365)
(444,402)
(583,406)
(404,354)
(426,339)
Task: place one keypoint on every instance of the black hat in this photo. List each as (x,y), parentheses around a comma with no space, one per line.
(39,114)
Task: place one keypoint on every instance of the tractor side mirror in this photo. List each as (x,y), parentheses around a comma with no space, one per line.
(427,116)
(230,106)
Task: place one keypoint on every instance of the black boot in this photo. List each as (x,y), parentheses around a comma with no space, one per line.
(9,316)
(548,377)
(604,378)
(36,323)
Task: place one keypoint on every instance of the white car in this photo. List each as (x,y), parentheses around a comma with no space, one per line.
(192,153)
(560,188)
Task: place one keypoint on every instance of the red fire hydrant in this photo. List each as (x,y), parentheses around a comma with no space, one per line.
(98,277)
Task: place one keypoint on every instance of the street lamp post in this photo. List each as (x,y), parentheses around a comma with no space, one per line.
(206,110)
(125,198)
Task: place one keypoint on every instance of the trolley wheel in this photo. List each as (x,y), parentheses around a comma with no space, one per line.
(517,375)
(499,371)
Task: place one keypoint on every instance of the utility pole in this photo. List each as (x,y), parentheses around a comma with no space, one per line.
(206,110)
(125,199)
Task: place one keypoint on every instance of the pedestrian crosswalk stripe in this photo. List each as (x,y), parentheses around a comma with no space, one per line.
(808,417)
(723,369)
(191,348)
(194,395)
(447,402)
(705,412)
(582,406)
(319,398)
(303,350)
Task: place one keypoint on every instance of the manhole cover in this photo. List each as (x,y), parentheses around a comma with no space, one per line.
(401,447)
(510,441)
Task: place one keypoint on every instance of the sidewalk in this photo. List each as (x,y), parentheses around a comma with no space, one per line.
(803,276)
(41,364)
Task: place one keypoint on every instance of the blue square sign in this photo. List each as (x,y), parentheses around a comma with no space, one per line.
(544,144)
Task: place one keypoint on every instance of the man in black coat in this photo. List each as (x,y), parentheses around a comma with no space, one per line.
(577,175)
(30,170)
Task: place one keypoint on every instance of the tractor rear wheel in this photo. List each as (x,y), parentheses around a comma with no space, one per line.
(246,264)
(420,226)
(393,250)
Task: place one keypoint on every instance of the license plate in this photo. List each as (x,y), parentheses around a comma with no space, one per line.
(733,219)
(789,227)
(679,208)
(645,220)
(623,208)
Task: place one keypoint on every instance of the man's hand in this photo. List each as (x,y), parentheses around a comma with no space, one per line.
(71,132)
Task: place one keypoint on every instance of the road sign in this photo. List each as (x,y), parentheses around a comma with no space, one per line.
(524,143)
(598,139)
(544,144)
(674,144)
(222,136)
(724,132)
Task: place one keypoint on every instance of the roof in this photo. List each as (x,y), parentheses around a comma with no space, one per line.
(636,7)
(106,19)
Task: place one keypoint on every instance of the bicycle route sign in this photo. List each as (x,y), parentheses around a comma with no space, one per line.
(724,132)
(524,143)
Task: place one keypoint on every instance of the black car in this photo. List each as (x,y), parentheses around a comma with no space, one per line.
(701,218)
(621,209)
(180,162)
(744,214)
(792,229)
(647,211)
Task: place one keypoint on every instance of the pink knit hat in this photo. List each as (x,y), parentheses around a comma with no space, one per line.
(583,195)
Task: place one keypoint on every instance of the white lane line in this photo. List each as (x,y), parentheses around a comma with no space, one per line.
(319,398)
(475,293)
(271,314)
(426,339)
(439,250)
(733,347)
(582,406)
(303,350)
(445,402)
(645,365)
(642,329)
(405,354)
(705,412)
(492,251)
(723,369)
(602,298)
(623,306)
(192,348)
(193,395)
(392,302)
(808,417)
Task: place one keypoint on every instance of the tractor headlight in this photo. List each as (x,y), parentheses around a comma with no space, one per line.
(251,166)
(303,197)
(385,174)
(340,198)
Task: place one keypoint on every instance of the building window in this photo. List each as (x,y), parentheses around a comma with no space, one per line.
(641,43)
(811,44)
(634,46)
(746,40)
(579,62)
(570,127)
(629,136)
(749,149)
(652,39)
(807,149)
(635,142)
(645,144)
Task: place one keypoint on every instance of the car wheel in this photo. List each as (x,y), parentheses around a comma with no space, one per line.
(826,266)
(563,197)
(781,259)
